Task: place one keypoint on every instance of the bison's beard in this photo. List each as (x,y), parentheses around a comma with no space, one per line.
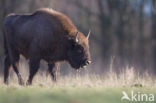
(76,64)
(76,61)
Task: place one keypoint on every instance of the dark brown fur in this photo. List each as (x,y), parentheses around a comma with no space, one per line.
(45,34)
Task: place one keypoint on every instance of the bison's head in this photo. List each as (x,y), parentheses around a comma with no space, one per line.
(78,53)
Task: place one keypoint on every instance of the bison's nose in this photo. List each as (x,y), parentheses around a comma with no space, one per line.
(88,62)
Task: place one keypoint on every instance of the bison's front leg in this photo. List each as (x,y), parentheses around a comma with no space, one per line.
(33,68)
(52,68)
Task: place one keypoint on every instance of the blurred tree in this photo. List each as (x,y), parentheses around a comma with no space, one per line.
(154,34)
(105,24)
(141,44)
(3,12)
(120,28)
(32,5)
(121,33)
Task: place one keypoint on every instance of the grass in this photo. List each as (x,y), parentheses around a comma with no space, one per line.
(53,94)
(79,89)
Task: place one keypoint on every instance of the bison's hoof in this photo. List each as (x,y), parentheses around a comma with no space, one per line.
(21,82)
(28,83)
(6,82)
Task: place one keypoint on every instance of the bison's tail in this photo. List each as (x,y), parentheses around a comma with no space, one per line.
(5,43)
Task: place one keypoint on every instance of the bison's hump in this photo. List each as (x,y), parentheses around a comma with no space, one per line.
(60,17)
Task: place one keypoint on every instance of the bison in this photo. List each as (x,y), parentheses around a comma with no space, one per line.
(45,34)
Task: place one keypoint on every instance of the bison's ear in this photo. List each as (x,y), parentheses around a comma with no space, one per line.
(75,37)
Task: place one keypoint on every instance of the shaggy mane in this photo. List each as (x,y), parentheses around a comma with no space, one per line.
(63,19)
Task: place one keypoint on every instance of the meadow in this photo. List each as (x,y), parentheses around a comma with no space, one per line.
(123,32)
(79,88)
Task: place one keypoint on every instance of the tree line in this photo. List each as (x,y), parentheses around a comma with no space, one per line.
(123,31)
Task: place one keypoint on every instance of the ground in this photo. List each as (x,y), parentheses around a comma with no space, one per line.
(88,88)
(54,94)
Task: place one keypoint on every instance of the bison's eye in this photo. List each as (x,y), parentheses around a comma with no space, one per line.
(73,44)
(79,51)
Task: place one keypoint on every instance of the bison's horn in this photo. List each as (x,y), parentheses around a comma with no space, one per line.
(76,36)
(88,34)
